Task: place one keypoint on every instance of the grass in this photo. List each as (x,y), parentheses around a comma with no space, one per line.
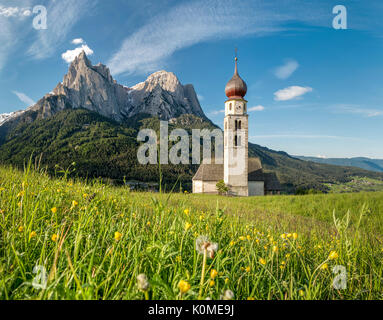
(91,241)
(357,184)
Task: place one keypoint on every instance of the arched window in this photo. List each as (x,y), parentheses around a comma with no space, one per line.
(236,125)
(239,124)
(230,106)
(235,141)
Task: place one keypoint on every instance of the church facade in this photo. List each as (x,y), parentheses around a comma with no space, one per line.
(242,175)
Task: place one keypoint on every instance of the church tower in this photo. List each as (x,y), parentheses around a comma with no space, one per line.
(236,136)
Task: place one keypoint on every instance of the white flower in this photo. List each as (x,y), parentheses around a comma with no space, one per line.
(228,295)
(203,243)
(142,282)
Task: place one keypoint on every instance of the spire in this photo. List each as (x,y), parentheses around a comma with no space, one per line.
(236,62)
(236,88)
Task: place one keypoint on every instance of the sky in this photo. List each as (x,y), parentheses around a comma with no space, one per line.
(313,89)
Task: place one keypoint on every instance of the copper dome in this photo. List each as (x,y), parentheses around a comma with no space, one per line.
(236,88)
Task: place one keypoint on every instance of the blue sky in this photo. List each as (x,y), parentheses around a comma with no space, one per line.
(315,90)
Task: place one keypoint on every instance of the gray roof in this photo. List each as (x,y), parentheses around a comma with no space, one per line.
(215,172)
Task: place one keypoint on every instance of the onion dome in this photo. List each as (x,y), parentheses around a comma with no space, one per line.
(236,88)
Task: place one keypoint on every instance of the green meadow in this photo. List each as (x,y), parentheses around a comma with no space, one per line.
(67,239)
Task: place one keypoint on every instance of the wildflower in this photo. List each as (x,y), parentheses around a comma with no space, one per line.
(213,273)
(275,249)
(283,236)
(54,210)
(20,194)
(301,293)
(184,286)
(74,203)
(148,223)
(247,269)
(232,243)
(333,255)
(242,238)
(287,255)
(226,280)
(54,237)
(248,237)
(142,282)
(262,261)
(85,195)
(295,236)
(186,211)
(211,283)
(32,235)
(250,298)
(203,243)
(117,236)
(21,229)
(324,266)
(188,226)
(228,295)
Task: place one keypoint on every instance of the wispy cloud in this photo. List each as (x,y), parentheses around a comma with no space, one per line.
(197,21)
(286,70)
(24,98)
(356,109)
(78,41)
(303,136)
(217,112)
(256,108)
(290,93)
(62,16)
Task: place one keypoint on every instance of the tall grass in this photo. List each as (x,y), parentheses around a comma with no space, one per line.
(91,241)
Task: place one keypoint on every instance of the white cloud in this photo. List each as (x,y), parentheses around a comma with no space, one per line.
(256,108)
(70,55)
(304,136)
(285,71)
(62,16)
(356,109)
(24,98)
(216,112)
(148,48)
(78,41)
(291,93)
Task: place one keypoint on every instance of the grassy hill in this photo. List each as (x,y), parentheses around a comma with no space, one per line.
(101,147)
(91,241)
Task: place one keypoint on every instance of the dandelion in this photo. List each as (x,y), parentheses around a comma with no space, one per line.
(188,226)
(117,236)
(295,236)
(204,244)
(228,295)
(143,284)
(85,195)
(32,235)
(54,237)
(262,261)
(54,210)
(186,211)
(232,243)
(74,203)
(21,229)
(287,255)
(213,273)
(275,249)
(248,237)
(20,194)
(247,269)
(242,238)
(301,293)
(211,283)
(324,266)
(148,223)
(226,280)
(333,255)
(184,286)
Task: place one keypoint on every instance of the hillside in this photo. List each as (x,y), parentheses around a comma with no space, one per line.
(102,147)
(359,162)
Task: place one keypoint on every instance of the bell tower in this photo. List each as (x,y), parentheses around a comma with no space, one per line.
(236,136)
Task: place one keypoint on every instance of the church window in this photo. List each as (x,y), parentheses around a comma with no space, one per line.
(239,124)
(230,106)
(236,125)
(235,141)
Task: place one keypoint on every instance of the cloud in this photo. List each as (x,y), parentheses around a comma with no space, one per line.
(304,136)
(69,55)
(356,109)
(256,108)
(200,97)
(285,71)
(24,98)
(62,16)
(78,41)
(216,112)
(291,93)
(148,48)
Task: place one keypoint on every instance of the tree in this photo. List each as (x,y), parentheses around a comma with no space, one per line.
(222,187)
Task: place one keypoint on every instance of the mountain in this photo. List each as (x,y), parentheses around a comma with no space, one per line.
(92,120)
(359,162)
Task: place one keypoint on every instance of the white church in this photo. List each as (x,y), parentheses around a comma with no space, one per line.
(243,176)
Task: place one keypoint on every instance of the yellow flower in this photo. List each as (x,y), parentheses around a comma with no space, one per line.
(289,235)
(232,243)
(20,194)
(226,280)
(74,203)
(283,236)
(54,210)
(179,259)
(324,266)
(186,211)
(262,261)
(248,237)
(21,229)
(275,249)
(184,286)
(188,226)
(250,298)
(333,255)
(242,238)
(32,235)
(213,273)
(85,195)
(211,283)
(55,237)
(247,269)
(295,236)
(117,236)
(301,293)
(288,255)
(148,223)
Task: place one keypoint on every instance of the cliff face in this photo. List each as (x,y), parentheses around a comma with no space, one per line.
(93,88)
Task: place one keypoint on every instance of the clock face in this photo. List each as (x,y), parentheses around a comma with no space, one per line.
(239,107)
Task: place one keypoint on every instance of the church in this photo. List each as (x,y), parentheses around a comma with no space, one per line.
(243,176)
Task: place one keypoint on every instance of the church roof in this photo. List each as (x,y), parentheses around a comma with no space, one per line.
(236,88)
(215,172)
